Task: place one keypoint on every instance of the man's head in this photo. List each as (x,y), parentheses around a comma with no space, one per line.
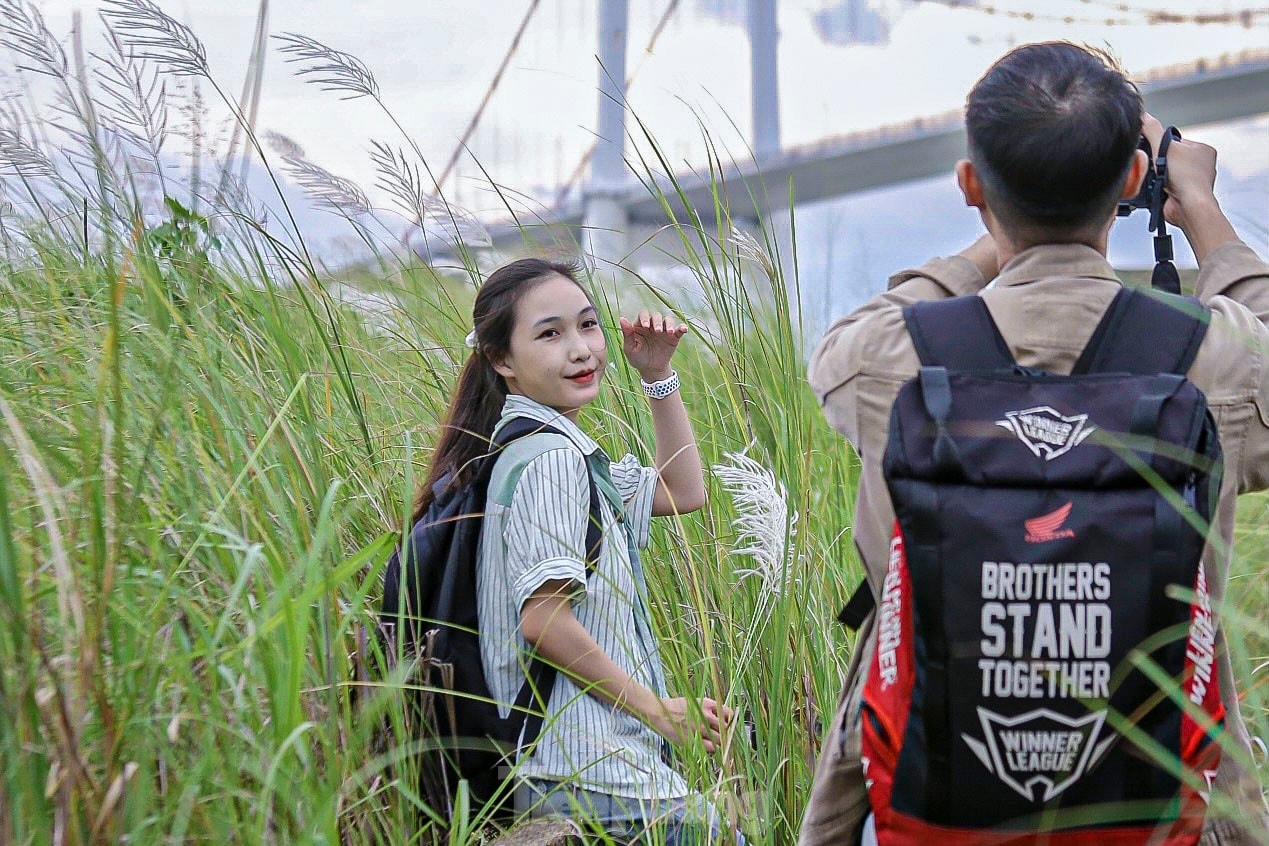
(1053,132)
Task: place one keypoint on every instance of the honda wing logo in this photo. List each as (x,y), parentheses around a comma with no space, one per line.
(1040,748)
(1049,527)
(1047,433)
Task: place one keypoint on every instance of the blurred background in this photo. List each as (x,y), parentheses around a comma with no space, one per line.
(502,99)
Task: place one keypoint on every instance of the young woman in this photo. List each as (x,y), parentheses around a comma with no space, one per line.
(538,351)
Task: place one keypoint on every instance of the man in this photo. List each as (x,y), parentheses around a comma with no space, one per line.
(1053,132)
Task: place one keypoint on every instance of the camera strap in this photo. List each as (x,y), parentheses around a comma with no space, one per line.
(1164,277)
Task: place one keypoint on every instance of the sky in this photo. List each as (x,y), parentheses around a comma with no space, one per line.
(434,59)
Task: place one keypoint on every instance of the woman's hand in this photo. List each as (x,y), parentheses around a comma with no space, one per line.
(649,343)
(677,721)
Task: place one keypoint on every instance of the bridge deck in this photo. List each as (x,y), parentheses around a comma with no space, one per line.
(1227,88)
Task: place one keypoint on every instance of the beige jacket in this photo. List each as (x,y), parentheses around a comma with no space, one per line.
(1046,302)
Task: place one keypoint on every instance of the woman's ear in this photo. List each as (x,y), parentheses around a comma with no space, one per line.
(502,368)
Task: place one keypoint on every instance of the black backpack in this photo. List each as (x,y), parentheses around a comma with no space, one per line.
(429,615)
(1044,668)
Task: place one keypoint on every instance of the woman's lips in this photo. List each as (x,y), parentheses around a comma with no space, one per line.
(583,378)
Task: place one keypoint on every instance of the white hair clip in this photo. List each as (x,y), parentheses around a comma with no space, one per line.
(470,340)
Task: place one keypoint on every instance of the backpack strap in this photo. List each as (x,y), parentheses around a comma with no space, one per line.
(519,427)
(531,702)
(957,333)
(1145,332)
(858,607)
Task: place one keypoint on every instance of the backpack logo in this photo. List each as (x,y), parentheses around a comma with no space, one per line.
(1045,432)
(1049,527)
(1040,748)
(890,627)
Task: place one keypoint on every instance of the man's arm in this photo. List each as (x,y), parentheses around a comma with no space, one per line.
(1228,271)
(1191,185)
(1193,208)
(841,353)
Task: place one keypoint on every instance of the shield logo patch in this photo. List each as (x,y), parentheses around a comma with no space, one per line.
(1040,753)
(1045,432)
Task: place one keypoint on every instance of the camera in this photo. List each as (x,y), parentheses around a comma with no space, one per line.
(1152,194)
(1151,197)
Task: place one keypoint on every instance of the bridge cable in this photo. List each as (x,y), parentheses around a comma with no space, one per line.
(489,92)
(1149,17)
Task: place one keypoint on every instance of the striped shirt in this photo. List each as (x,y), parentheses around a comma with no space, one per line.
(534,532)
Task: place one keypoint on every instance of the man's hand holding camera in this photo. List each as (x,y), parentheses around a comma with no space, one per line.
(1191,180)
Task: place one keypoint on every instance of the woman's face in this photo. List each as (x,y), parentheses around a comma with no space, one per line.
(557,353)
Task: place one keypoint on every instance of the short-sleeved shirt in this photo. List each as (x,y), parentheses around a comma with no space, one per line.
(534,532)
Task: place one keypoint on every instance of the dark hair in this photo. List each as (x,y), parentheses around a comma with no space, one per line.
(1052,131)
(481,392)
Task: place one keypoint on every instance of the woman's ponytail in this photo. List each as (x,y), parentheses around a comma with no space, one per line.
(469,424)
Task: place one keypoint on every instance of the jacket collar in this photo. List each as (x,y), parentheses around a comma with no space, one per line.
(1049,261)
(518,405)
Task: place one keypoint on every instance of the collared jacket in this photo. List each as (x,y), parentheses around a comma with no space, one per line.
(1046,302)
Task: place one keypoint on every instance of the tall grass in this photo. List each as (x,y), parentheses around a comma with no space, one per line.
(205,457)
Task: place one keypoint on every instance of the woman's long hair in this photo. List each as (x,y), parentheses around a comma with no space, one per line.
(481,392)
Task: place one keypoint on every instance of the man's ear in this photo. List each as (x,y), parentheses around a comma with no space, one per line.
(967,179)
(1136,174)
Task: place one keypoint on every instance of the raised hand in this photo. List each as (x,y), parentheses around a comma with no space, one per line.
(649,342)
(1191,172)
(1192,204)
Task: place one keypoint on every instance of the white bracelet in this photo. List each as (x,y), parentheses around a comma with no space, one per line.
(662,389)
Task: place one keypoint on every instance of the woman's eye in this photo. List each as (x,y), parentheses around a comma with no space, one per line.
(590,324)
(549,333)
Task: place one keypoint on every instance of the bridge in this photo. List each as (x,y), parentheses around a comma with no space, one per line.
(1188,95)
(1210,91)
